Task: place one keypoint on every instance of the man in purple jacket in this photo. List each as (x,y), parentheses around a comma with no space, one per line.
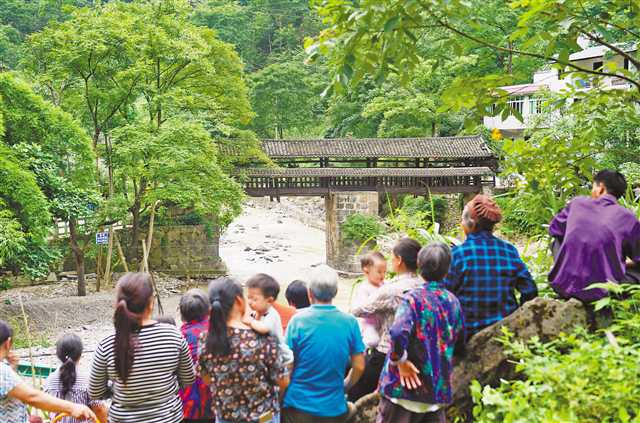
(596,237)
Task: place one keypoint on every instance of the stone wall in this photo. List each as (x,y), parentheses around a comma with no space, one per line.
(179,251)
(341,254)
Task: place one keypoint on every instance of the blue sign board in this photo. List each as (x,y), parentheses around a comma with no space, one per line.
(102,238)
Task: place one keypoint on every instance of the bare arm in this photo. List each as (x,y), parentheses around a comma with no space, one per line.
(101,411)
(42,401)
(357,369)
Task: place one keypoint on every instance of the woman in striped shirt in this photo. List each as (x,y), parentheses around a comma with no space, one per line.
(68,383)
(147,361)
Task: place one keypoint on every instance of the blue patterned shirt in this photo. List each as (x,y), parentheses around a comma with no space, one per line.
(427,326)
(485,273)
(11,409)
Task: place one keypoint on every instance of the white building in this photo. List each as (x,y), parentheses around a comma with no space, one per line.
(525,97)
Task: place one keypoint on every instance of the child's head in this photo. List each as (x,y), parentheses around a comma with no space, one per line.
(194,306)
(6,334)
(167,320)
(404,257)
(297,294)
(434,261)
(374,267)
(69,350)
(263,290)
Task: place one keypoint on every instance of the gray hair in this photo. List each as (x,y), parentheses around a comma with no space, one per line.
(434,261)
(194,305)
(323,283)
(467,220)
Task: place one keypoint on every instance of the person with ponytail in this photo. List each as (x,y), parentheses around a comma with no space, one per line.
(15,395)
(486,270)
(68,382)
(244,369)
(145,361)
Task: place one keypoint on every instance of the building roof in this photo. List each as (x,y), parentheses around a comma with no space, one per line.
(524,89)
(283,172)
(596,51)
(347,148)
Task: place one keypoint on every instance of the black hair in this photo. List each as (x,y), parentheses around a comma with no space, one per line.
(166,320)
(5,332)
(222,295)
(297,294)
(194,306)
(614,182)
(369,259)
(69,351)
(434,261)
(134,292)
(266,284)
(407,249)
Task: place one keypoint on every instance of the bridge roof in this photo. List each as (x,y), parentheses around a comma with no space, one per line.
(284,172)
(436,148)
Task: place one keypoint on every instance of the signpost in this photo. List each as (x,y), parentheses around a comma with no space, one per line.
(102,238)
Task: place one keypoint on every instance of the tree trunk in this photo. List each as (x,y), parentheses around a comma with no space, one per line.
(78,254)
(132,255)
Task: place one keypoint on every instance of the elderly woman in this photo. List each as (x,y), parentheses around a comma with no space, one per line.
(316,393)
(486,270)
(16,395)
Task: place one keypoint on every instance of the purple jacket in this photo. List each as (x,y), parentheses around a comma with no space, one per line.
(596,235)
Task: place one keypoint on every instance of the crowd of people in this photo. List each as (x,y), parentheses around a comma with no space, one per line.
(241,356)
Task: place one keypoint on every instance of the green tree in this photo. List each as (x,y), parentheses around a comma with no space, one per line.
(282,99)
(50,143)
(379,38)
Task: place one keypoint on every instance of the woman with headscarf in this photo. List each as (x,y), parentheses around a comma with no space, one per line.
(486,271)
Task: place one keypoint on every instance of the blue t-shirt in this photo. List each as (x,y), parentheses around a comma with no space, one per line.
(322,339)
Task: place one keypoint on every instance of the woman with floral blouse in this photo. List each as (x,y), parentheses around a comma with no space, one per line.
(243,368)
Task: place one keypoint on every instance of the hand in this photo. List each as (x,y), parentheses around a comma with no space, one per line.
(13,360)
(409,375)
(81,412)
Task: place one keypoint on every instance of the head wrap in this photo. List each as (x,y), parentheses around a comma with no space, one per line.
(482,206)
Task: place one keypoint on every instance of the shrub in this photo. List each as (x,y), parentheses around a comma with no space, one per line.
(581,377)
(362,228)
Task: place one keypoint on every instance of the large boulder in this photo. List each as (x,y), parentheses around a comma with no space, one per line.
(485,360)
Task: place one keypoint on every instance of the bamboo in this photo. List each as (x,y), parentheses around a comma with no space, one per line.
(120,252)
(28,333)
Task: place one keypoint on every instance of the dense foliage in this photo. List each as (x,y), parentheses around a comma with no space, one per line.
(579,377)
(361,228)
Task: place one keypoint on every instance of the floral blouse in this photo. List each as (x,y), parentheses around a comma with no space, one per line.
(243,383)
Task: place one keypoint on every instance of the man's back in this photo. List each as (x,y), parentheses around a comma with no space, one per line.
(596,237)
(323,339)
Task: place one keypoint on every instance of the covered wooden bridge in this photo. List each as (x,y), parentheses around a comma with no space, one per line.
(352,173)
(394,165)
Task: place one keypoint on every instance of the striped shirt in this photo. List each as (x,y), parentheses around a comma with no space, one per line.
(78,394)
(162,361)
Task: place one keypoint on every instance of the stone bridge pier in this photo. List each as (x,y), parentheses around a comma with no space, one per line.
(341,254)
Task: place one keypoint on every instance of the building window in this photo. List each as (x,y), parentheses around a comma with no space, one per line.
(535,106)
(516,103)
(626,63)
(597,66)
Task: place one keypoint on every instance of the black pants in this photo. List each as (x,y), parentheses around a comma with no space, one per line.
(389,412)
(291,415)
(374,362)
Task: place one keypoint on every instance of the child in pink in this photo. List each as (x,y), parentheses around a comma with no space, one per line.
(374,267)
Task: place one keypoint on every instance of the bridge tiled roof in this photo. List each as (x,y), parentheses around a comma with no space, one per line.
(436,148)
(283,172)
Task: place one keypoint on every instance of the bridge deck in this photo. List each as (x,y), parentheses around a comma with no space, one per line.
(322,181)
